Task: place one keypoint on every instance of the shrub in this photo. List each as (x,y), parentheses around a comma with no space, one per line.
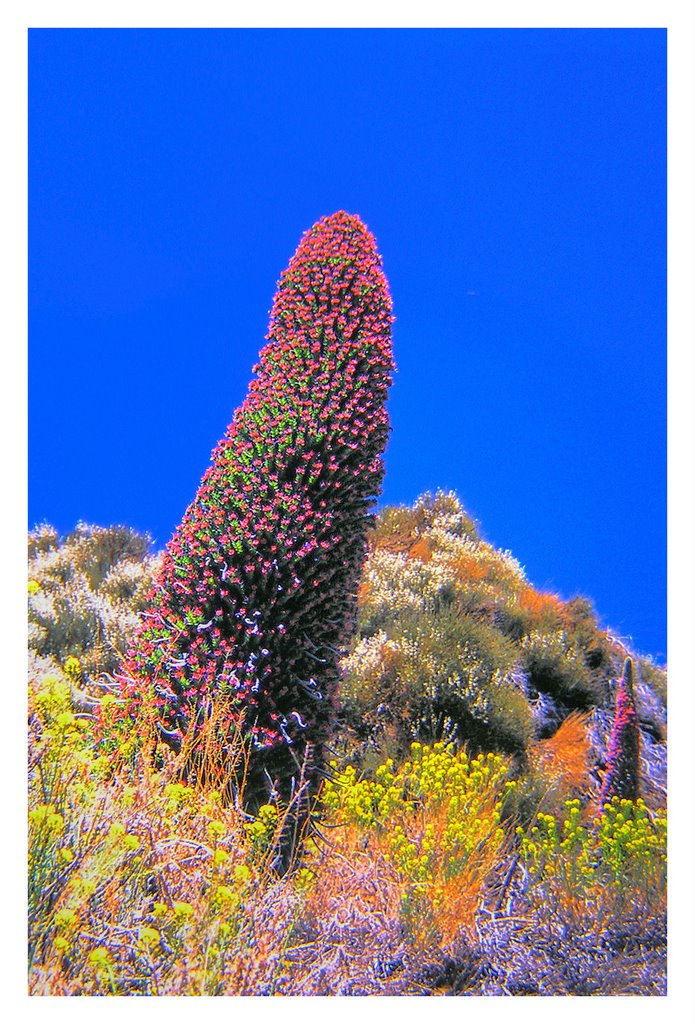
(531,610)
(393,585)
(257,591)
(97,550)
(651,697)
(437,818)
(85,591)
(41,539)
(396,529)
(612,870)
(399,528)
(597,648)
(436,675)
(442,511)
(555,664)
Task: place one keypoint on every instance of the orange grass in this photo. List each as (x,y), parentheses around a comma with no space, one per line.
(468,567)
(422,550)
(541,604)
(563,761)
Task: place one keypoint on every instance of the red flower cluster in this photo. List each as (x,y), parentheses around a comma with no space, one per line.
(257,590)
(622,778)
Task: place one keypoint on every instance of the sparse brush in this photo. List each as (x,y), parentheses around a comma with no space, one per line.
(559,768)
(654,677)
(529,609)
(598,647)
(85,591)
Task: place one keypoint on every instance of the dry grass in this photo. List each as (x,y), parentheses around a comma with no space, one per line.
(525,953)
(469,568)
(422,550)
(563,761)
(541,604)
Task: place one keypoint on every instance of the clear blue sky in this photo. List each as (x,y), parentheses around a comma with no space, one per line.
(516,184)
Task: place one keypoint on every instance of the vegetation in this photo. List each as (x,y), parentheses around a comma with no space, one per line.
(623,771)
(442,860)
(454,644)
(86,591)
(437,821)
(256,591)
(292,756)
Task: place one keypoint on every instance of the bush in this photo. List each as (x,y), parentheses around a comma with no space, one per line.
(651,715)
(399,528)
(394,585)
(612,869)
(85,591)
(599,652)
(531,610)
(436,675)
(654,678)
(438,820)
(555,664)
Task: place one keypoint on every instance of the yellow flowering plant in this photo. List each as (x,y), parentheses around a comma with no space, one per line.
(610,866)
(133,871)
(438,821)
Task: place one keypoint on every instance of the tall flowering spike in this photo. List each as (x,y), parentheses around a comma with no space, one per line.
(622,778)
(257,589)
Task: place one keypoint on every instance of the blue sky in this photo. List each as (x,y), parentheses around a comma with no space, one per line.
(516,184)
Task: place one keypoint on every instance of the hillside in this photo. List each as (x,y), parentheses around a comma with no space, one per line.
(463,800)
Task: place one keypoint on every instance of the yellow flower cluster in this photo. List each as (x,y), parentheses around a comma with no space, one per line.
(123,839)
(624,848)
(438,821)
(436,810)
(45,815)
(66,852)
(178,797)
(73,667)
(632,840)
(262,831)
